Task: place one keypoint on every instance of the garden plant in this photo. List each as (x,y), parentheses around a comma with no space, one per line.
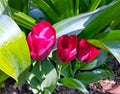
(52,43)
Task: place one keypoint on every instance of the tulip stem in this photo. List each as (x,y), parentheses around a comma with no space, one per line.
(59,71)
(77,65)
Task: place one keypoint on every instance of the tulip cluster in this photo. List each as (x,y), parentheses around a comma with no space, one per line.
(42,39)
(68,49)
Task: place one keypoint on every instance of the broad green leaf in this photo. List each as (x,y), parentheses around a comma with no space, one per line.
(74,84)
(92,76)
(76,24)
(14,52)
(50,75)
(109,41)
(115,25)
(102,20)
(43,76)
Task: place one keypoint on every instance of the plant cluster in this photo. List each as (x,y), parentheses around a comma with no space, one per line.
(49,46)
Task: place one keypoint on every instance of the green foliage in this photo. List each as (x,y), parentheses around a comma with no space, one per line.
(54,11)
(3,77)
(104,19)
(110,41)
(95,75)
(14,59)
(43,76)
(94,4)
(99,26)
(22,19)
(4,8)
(76,24)
(20,5)
(66,70)
(74,84)
(92,76)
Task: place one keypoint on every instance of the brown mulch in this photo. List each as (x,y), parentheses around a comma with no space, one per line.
(101,87)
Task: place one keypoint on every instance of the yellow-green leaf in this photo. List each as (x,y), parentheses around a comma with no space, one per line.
(14,52)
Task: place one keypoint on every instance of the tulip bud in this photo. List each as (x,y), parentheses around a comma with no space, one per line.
(86,51)
(67,48)
(41,40)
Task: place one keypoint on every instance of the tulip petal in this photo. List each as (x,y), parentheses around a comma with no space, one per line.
(72,55)
(73,41)
(86,51)
(43,29)
(31,47)
(94,52)
(67,48)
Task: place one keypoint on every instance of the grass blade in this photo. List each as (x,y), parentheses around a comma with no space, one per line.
(94,5)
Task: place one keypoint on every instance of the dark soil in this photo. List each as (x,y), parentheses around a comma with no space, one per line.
(7,87)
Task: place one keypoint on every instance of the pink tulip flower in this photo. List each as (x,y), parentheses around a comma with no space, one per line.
(86,51)
(67,48)
(41,40)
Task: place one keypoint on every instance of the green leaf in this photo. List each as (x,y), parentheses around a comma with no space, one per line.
(23,19)
(22,77)
(50,75)
(66,10)
(92,76)
(46,91)
(94,5)
(20,5)
(14,59)
(48,10)
(66,70)
(83,5)
(74,84)
(3,76)
(76,24)
(77,4)
(105,2)
(43,76)
(109,41)
(105,18)
(4,8)
(109,71)
(115,25)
